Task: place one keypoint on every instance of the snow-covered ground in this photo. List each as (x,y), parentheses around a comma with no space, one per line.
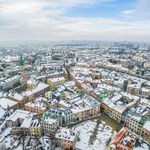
(141,146)
(91,138)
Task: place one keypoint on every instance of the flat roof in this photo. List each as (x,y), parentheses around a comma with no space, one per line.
(5,103)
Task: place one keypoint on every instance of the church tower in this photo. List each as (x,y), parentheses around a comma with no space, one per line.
(21,63)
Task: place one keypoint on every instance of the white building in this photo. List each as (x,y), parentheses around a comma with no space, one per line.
(50,124)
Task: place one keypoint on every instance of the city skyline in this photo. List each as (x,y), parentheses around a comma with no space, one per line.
(75,20)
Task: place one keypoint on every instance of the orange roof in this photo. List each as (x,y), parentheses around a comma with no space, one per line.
(119,136)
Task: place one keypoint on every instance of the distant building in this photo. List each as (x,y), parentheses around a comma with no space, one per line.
(134,88)
(10,82)
(53,82)
(147,65)
(21,64)
(128,65)
(48,95)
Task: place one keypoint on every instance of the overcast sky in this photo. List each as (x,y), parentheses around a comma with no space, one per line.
(74,19)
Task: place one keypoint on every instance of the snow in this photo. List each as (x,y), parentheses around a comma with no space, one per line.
(104,133)
(27,121)
(50,121)
(12,79)
(18,114)
(36,105)
(1,138)
(143,89)
(6,132)
(2,112)
(46,142)
(19,147)
(41,86)
(66,134)
(4,102)
(57,79)
(116,98)
(16,96)
(142,146)
(147,125)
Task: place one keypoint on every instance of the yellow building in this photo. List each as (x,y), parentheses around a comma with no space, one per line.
(105,107)
(36,107)
(134,88)
(17,97)
(114,107)
(38,90)
(78,115)
(29,84)
(146,131)
(30,95)
(83,113)
(96,110)
(48,95)
(80,64)
(53,82)
(35,128)
(147,65)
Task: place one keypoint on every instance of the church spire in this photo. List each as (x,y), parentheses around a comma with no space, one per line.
(21,61)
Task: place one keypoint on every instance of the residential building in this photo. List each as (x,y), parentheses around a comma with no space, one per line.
(36,107)
(37,91)
(65,114)
(53,82)
(146,131)
(66,138)
(48,95)
(134,88)
(135,118)
(35,128)
(147,65)
(17,118)
(8,104)
(124,139)
(18,97)
(50,123)
(10,82)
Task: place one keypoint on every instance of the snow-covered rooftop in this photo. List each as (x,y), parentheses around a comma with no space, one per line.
(5,103)
(66,134)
